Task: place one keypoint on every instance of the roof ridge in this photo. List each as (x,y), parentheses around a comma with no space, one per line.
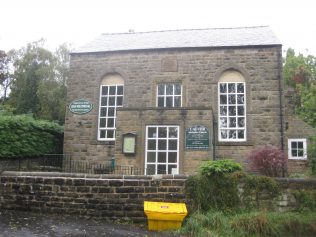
(177,30)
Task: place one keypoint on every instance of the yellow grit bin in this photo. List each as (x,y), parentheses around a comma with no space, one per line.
(164,216)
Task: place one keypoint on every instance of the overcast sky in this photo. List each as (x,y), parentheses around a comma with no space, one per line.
(79,21)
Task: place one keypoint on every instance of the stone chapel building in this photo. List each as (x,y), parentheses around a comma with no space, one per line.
(167,100)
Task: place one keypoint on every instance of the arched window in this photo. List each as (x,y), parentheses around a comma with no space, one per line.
(111,97)
(232,107)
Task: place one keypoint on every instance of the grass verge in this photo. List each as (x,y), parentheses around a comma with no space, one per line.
(213,224)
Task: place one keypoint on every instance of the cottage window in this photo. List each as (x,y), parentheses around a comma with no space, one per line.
(111,98)
(232,107)
(297,149)
(162,150)
(169,95)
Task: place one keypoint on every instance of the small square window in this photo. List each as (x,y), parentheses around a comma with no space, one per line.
(169,95)
(297,149)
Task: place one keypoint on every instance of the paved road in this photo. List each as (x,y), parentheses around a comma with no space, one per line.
(27,224)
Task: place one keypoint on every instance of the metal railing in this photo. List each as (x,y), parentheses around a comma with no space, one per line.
(65,163)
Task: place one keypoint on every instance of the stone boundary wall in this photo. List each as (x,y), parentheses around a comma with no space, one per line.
(114,196)
(107,196)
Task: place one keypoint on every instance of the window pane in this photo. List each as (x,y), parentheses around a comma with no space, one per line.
(231,88)
(162,144)
(102,122)
(240,99)
(111,111)
(161,101)
(110,133)
(111,123)
(161,169)
(173,132)
(161,89)
(170,167)
(223,123)
(119,101)
(232,122)
(240,87)
(152,132)
(102,134)
(162,157)
(241,110)
(224,134)
(172,157)
(162,132)
(169,101)
(300,153)
(104,101)
(173,145)
(223,110)
(151,145)
(223,99)
(169,90)
(112,90)
(177,89)
(151,169)
(232,99)
(232,134)
(120,90)
(241,122)
(177,101)
(294,153)
(300,145)
(223,88)
(104,90)
(232,110)
(294,144)
(241,134)
(103,112)
(151,157)
(112,101)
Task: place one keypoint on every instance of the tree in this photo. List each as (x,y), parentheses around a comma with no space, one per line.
(40,81)
(6,78)
(299,72)
(52,93)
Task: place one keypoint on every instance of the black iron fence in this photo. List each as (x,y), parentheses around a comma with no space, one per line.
(65,163)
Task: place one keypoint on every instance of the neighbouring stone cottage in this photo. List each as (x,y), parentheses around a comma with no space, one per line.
(167,100)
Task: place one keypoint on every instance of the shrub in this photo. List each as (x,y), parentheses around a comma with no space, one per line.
(219,167)
(213,187)
(269,161)
(22,136)
(312,154)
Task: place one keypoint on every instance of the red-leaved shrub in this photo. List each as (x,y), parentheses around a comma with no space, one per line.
(269,161)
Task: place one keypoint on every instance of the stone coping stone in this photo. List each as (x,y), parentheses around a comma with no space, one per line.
(94,176)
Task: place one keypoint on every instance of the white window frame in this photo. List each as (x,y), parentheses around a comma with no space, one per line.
(234,116)
(156,150)
(290,156)
(106,117)
(164,96)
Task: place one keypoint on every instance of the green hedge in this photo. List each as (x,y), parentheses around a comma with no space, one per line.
(22,136)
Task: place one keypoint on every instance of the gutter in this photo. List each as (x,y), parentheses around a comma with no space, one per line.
(281,98)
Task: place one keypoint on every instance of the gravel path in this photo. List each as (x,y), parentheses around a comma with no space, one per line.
(28,224)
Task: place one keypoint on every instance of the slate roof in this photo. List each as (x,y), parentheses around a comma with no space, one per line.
(194,38)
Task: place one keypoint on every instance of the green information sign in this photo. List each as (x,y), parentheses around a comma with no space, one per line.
(197,138)
(80,106)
